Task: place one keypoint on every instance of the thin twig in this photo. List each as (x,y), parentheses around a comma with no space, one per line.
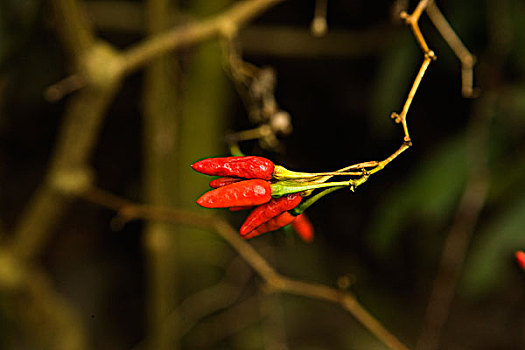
(273,325)
(275,281)
(227,323)
(68,172)
(413,21)
(73,27)
(47,315)
(467,59)
(226,23)
(319,25)
(205,302)
(214,298)
(161,117)
(64,87)
(104,67)
(402,117)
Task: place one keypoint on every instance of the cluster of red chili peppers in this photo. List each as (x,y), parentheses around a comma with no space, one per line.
(275,193)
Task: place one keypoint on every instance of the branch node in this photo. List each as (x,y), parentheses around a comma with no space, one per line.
(228,29)
(431,55)
(468,61)
(396,117)
(102,65)
(11,275)
(319,26)
(72,181)
(345,282)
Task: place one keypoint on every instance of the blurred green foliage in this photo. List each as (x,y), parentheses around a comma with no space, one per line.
(490,262)
(425,198)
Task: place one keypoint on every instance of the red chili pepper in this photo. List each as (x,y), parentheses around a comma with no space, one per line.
(249,167)
(265,212)
(273,224)
(304,228)
(223,181)
(243,193)
(246,207)
(520,258)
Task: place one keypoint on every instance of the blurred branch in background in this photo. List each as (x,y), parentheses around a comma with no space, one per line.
(256,88)
(68,170)
(160,127)
(192,310)
(210,300)
(454,42)
(44,314)
(102,66)
(227,323)
(275,281)
(319,25)
(467,59)
(274,40)
(100,69)
(273,322)
(74,29)
(224,24)
(122,63)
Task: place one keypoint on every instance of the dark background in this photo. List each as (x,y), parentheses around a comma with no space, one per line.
(387,236)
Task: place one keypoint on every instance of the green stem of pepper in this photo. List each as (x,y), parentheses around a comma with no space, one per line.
(283,174)
(283,188)
(333,186)
(235,150)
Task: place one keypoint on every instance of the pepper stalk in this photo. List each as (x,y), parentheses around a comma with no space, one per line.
(282,188)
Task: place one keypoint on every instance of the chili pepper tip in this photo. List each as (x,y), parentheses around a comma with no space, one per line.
(304,228)
(266,212)
(520,258)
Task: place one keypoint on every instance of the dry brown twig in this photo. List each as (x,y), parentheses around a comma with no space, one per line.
(48,317)
(319,25)
(401,118)
(457,46)
(80,38)
(256,87)
(275,281)
(228,323)
(205,302)
(467,59)
(99,71)
(102,68)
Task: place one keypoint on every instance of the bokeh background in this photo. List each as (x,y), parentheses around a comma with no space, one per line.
(384,242)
